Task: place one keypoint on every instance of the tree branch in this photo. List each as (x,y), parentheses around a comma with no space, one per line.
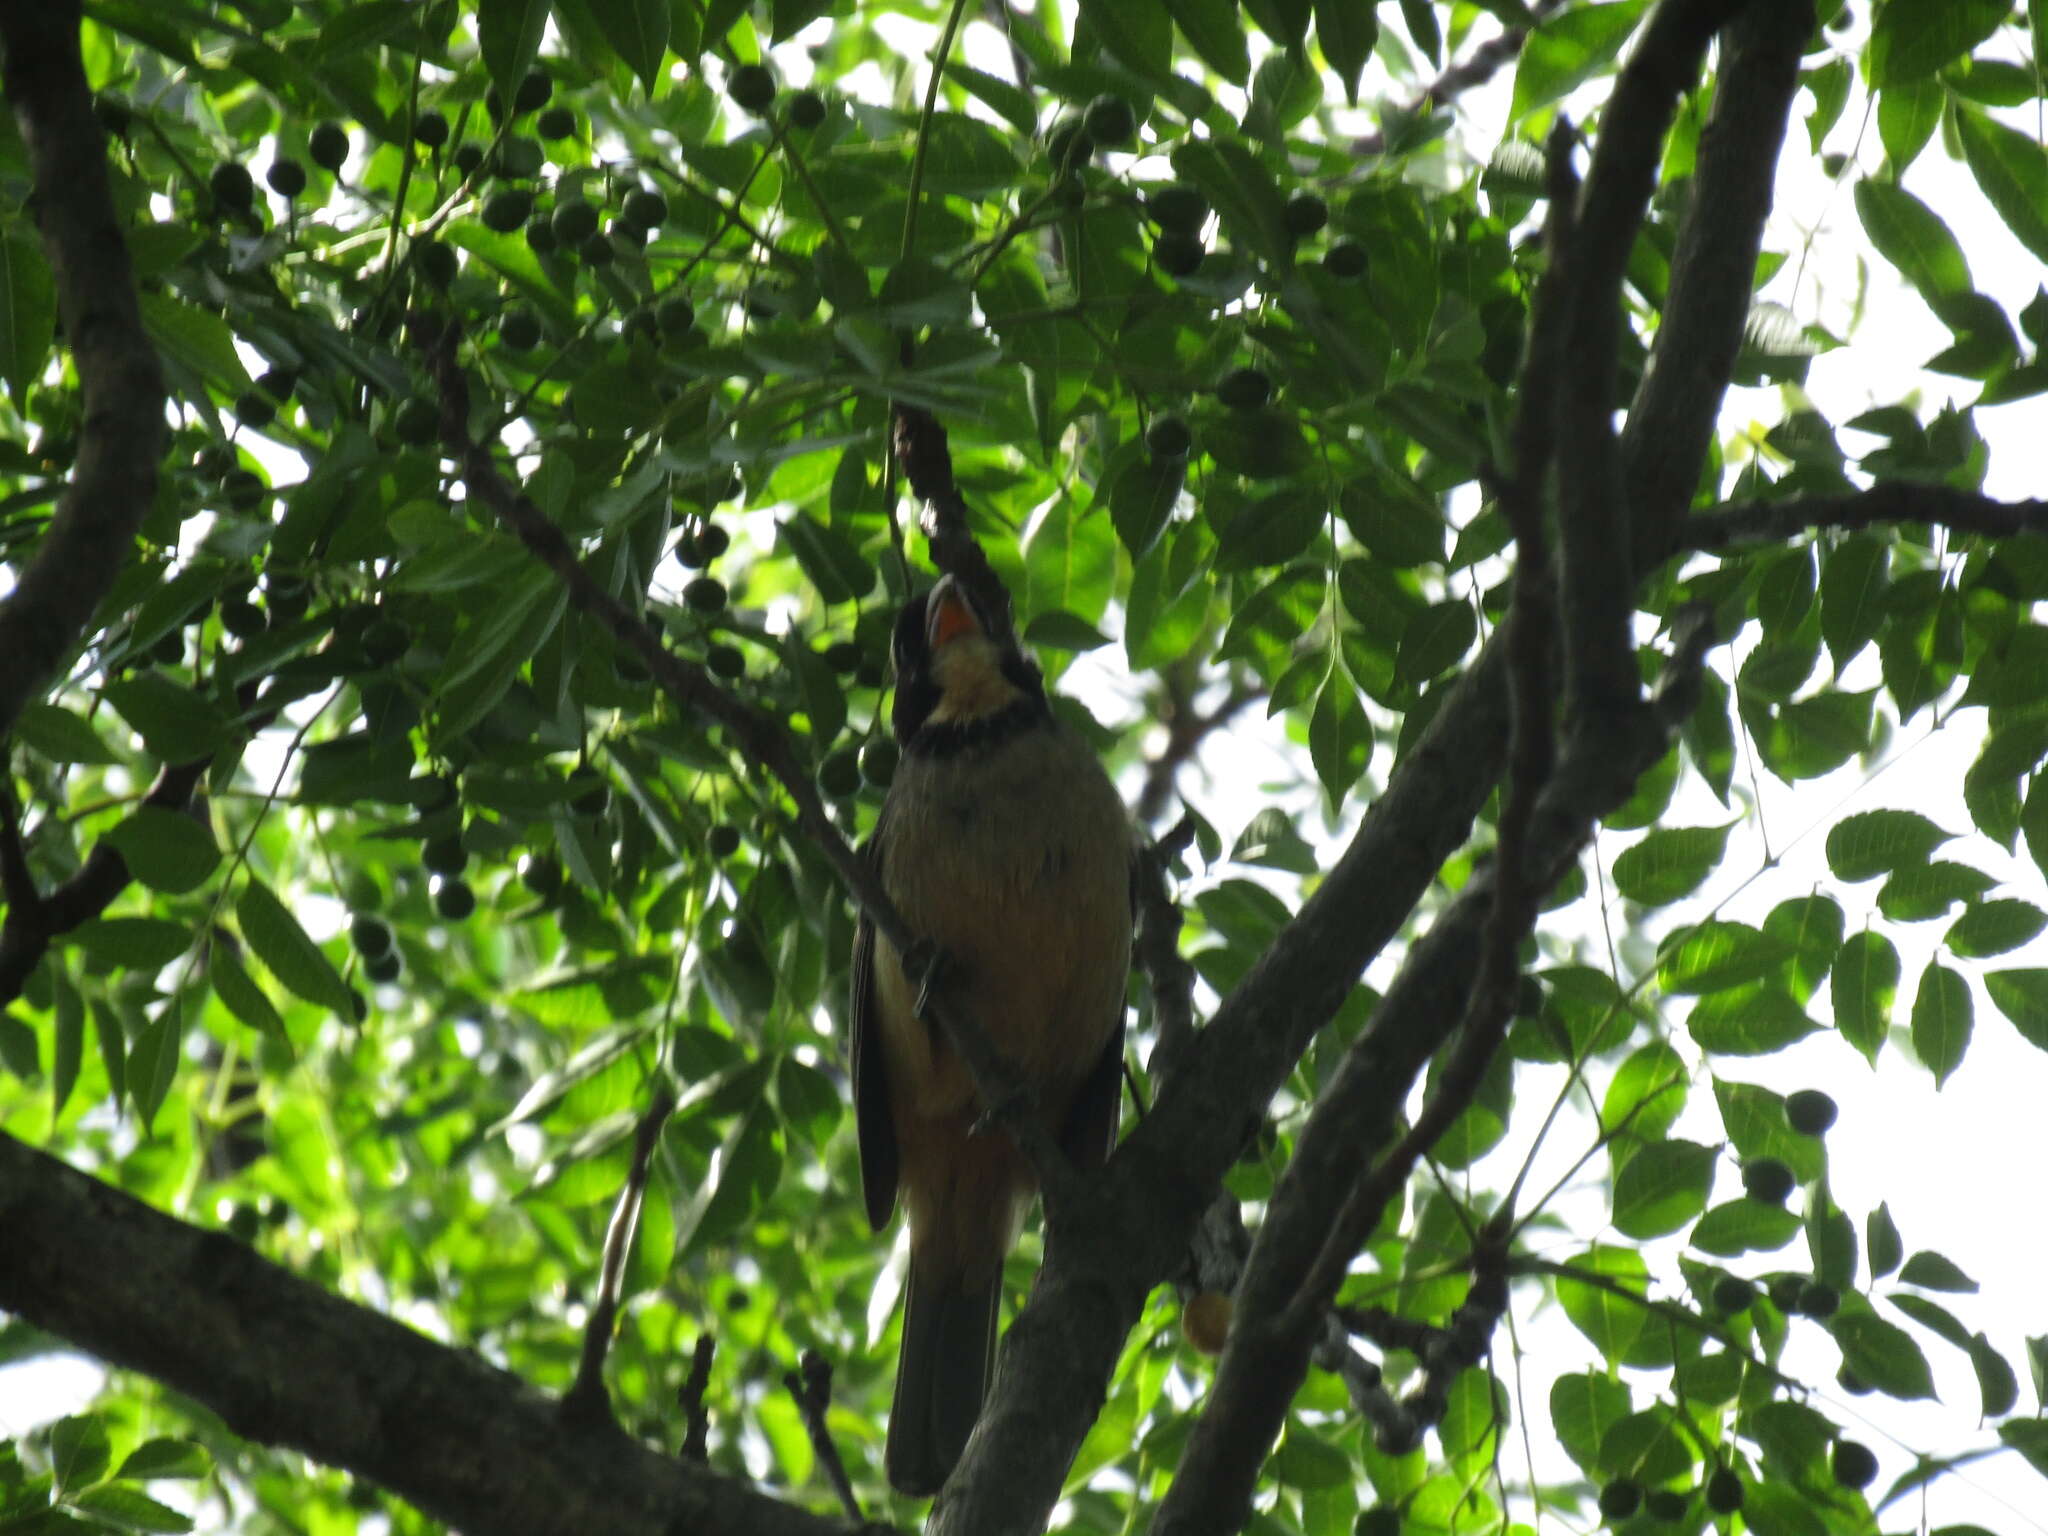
(1747,522)
(286,1364)
(1713,273)
(121,433)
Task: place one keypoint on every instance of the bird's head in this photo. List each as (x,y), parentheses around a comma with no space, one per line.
(955,666)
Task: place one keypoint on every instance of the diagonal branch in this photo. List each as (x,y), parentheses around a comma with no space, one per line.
(121,434)
(285,1363)
(1747,522)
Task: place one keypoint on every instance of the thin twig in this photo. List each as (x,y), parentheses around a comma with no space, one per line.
(690,1398)
(812,1388)
(586,1398)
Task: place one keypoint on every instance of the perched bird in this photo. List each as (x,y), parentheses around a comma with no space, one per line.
(1003,843)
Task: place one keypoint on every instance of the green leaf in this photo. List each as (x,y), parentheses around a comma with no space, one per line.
(1662,1188)
(1853,576)
(2022,996)
(1649,1446)
(282,945)
(1568,50)
(177,725)
(1648,1092)
(1744,1226)
(2012,170)
(1997,1385)
(1907,115)
(153,1059)
(1920,892)
(1339,734)
(28,312)
(1213,30)
(1910,38)
(1138,33)
(1583,1406)
(1830,1240)
(1994,927)
(1347,32)
(1881,1239)
(1754,1117)
(508,35)
(201,341)
(1612,1321)
(1912,237)
(1932,1272)
(1435,640)
(129,1509)
(1716,955)
(1882,1353)
(1865,982)
(2030,1438)
(1942,1018)
(1271,531)
(68,1042)
(166,1458)
(638,33)
(78,1452)
(240,994)
(1246,198)
(140,943)
(1755,1019)
(1669,863)
(1873,843)
(828,558)
(166,850)
(60,736)
(1142,499)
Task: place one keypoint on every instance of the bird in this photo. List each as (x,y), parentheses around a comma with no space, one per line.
(1004,845)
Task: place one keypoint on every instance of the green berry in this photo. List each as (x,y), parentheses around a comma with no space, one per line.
(645,207)
(1068,146)
(437,263)
(1620,1499)
(839,775)
(1177,206)
(555,123)
(254,410)
(519,330)
(1810,1112)
(1784,1293)
(384,641)
(468,158)
(507,208)
(706,594)
(541,875)
(1855,1464)
(1244,389)
(533,92)
(596,251)
(1346,260)
(1724,1491)
(1818,1299)
(453,899)
(445,855)
(1768,1180)
(540,237)
(385,969)
(1732,1294)
(589,792)
(722,841)
(806,110)
(1305,214)
(328,147)
(675,315)
(752,88)
(430,128)
(1168,437)
(725,661)
(878,762)
(1177,254)
(575,221)
(241,618)
(232,186)
(243,489)
(1110,120)
(519,158)
(712,539)
(287,178)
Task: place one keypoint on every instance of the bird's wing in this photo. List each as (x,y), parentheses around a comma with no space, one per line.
(1090,1132)
(871,1118)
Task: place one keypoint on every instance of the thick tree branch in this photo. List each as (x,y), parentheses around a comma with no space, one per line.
(1713,274)
(1748,522)
(286,1364)
(1593,526)
(121,433)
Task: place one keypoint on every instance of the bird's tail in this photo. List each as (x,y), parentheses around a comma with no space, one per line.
(942,1374)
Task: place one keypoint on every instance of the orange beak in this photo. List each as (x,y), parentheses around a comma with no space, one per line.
(948,616)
